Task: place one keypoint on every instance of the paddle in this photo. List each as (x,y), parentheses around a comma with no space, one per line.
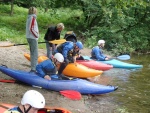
(60,41)
(71,94)
(122,57)
(54,42)
(7,81)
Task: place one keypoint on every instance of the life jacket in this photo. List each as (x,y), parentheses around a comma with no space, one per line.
(70,53)
(60,47)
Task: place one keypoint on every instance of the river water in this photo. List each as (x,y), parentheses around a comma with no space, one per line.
(133,94)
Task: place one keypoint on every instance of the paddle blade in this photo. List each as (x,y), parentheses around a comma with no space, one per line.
(7,81)
(60,41)
(124,57)
(7,45)
(71,94)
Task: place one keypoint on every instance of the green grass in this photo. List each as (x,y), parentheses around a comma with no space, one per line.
(12,28)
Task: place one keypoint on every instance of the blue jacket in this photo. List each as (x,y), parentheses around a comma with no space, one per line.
(65,48)
(45,68)
(97,54)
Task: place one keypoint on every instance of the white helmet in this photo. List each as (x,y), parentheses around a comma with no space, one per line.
(59,57)
(34,98)
(101,42)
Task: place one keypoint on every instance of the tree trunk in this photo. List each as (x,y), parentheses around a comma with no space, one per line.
(46,9)
(12,7)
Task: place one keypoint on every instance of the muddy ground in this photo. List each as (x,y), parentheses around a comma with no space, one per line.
(13,57)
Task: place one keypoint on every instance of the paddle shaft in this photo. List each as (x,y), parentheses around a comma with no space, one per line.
(27,43)
(53,41)
(19,44)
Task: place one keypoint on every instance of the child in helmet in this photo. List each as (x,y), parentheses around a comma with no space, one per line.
(31,102)
(48,67)
(69,50)
(97,52)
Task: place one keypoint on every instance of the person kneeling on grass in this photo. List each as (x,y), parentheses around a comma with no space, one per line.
(48,67)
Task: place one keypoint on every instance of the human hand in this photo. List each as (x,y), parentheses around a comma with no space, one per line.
(106,58)
(74,59)
(75,63)
(47,77)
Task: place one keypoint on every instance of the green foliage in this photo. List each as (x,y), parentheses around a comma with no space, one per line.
(124,24)
(12,28)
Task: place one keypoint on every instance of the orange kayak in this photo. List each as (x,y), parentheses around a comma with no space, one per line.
(4,107)
(72,69)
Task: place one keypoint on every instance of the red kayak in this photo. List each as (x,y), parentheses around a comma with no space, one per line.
(4,107)
(95,65)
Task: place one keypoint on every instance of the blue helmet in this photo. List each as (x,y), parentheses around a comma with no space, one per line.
(79,44)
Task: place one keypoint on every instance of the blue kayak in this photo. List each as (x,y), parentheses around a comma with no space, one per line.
(80,85)
(118,64)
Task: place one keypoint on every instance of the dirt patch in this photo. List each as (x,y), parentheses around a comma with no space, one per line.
(13,57)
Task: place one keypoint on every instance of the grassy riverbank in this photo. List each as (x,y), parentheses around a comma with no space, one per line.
(12,28)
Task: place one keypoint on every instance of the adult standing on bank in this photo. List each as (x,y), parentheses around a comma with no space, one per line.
(32,35)
(53,33)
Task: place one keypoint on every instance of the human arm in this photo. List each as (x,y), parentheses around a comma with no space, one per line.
(47,77)
(44,68)
(39,69)
(66,48)
(34,27)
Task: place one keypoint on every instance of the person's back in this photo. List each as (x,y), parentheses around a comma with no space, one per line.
(49,67)
(45,68)
(65,48)
(52,34)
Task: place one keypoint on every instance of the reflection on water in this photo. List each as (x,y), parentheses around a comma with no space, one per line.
(133,95)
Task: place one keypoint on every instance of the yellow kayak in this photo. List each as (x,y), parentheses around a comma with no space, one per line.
(73,69)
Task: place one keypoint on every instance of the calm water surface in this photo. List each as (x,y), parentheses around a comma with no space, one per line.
(133,95)
(134,91)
